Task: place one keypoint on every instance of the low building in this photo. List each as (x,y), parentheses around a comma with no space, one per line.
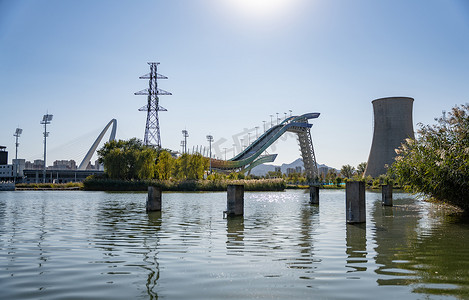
(7,172)
(19,165)
(38,164)
(3,155)
(64,165)
(58,176)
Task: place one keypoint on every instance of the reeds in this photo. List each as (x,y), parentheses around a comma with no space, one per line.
(99,184)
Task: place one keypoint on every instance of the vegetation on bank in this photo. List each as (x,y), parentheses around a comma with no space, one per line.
(436,162)
(50,186)
(108,184)
(132,160)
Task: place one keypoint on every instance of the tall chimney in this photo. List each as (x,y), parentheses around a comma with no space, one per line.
(392,125)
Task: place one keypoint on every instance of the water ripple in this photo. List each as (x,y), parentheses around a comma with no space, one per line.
(57,245)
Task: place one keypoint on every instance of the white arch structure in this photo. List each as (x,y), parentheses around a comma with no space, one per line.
(90,153)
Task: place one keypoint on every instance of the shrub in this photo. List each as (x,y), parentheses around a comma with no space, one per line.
(436,163)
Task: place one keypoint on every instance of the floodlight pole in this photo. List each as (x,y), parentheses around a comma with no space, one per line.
(45,120)
(185,134)
(17,135)
(210,140)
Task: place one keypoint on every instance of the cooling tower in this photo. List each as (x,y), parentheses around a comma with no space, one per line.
(392,125)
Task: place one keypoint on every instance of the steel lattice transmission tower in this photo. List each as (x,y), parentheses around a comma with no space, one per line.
(152,127)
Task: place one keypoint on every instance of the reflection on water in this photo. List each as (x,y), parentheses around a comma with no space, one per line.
(56,245)
(356,247)
(420,246)
(235,235)
(151,244)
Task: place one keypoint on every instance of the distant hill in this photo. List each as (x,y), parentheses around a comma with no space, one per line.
(263,169)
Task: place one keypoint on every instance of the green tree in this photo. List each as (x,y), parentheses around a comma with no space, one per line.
(233,176)
(114,163)
(181,168)
(436,162)
(331,175)
(165,165)
(361,168)
(197,166)
(293,177)
(145,166)
(347,171)
(191,166)
(274,174)
(127,159)
(338,181)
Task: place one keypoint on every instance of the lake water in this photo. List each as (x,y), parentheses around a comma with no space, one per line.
(97,245)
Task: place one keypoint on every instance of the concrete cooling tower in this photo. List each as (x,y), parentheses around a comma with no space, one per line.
(392,125)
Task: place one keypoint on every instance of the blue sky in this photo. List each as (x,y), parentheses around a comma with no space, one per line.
(231,64)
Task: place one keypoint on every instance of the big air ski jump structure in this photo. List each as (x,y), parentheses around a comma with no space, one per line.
(253,155)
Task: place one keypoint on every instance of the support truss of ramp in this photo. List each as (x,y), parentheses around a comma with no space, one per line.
(307,153)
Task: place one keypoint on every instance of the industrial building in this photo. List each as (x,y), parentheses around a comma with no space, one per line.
(392,125)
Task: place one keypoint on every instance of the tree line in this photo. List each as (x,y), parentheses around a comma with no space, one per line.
(131,159)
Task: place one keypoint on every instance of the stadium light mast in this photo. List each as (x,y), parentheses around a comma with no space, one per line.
(185,134)
(46,119)
(17,134)
(210,140)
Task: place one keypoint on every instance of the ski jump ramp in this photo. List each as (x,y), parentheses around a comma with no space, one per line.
(252,156)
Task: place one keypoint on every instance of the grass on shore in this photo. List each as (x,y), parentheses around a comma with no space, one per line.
(95,184)
(51,186)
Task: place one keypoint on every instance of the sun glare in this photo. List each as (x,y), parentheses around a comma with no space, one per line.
(261,8)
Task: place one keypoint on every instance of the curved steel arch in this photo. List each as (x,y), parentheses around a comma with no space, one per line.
(90,153)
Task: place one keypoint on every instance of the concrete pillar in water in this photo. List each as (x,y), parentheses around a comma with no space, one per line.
(314,194)
(386,190)
(154,198)
(235,200)
(355,202)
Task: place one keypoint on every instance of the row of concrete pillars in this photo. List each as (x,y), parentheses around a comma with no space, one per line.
(234,203)
(354,200)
